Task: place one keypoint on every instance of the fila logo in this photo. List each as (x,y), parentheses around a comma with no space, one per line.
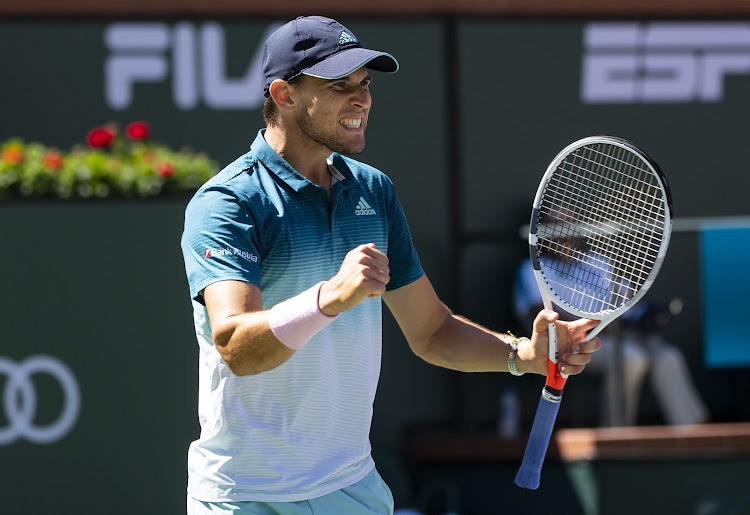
(346,38)
(193,56)
(230,251)
(667,62)
(363,208)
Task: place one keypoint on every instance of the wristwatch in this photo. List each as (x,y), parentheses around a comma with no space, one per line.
(512,351)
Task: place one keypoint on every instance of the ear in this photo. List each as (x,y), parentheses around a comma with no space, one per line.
(281,93)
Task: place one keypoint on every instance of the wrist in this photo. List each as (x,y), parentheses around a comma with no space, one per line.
(513,347)
(326,302)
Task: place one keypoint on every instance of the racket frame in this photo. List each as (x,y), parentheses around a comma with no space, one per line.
(548,294)
(529,473)
(555,379)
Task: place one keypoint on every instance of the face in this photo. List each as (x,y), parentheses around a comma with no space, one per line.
(333,113)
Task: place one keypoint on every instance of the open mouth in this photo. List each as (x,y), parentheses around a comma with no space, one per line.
(351,123)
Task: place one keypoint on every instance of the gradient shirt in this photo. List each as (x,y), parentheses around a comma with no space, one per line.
(302,429)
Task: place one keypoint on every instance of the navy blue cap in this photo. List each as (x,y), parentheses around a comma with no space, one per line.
(319,47)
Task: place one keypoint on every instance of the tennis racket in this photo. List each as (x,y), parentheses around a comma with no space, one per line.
(599,232)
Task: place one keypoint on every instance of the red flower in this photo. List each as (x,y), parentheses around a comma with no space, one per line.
(52,160)
(12,154)
(100,137)
(138,130)
(165,169)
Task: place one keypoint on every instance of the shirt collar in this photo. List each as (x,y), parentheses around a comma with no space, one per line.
(283,170)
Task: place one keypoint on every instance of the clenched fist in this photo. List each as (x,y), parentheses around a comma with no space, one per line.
(363,273)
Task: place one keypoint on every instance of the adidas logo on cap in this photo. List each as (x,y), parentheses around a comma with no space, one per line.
(363,208)
(345,38)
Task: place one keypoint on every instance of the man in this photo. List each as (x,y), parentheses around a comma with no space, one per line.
(288,252)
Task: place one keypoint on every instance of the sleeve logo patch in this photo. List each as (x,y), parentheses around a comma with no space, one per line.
(230,251)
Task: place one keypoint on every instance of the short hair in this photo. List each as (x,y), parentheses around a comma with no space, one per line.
(270,112)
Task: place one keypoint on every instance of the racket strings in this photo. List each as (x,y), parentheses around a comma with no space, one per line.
(635,203)
(637,183)
(595,262)
(590,230)
(607,245)
(590,293)
(613,214)
(631,189)
(626,206)
(587,286)
(603,219)
(620,213)
(637,223)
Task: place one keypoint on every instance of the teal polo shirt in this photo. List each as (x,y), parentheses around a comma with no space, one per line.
(300,430)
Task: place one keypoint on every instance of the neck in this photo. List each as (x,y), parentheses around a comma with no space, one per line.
(307,157)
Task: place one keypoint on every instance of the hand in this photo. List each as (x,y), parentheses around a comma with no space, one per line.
(363,273)
(573,353)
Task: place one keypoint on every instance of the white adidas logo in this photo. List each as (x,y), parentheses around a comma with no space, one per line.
(345,38)
(363,208)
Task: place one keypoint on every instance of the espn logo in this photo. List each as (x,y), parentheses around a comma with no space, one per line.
(662,62)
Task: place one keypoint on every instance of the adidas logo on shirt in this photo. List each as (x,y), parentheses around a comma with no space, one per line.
(363,208)
(345,38)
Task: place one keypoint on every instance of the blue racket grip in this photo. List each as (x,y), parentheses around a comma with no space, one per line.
(536,448)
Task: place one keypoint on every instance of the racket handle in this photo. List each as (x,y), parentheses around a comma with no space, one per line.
(552,328)
(536,448)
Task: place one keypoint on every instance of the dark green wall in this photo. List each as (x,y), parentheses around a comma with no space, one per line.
(99,286)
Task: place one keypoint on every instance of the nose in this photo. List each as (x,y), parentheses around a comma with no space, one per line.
(362,98)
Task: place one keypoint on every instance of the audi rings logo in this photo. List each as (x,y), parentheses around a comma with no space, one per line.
(19,400)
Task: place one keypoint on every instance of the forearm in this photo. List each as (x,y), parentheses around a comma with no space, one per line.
(460,344)
(256,341)
(444,339)
(248,345)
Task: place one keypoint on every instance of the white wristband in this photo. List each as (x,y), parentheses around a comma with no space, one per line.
(298,319)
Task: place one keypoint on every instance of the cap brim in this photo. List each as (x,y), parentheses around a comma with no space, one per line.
(348,61)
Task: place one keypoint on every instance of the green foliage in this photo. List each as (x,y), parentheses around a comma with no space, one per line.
(111,164)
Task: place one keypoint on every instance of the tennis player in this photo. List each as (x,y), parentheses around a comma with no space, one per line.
(289,252)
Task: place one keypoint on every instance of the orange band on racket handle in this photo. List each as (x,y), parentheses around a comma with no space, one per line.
(554,379)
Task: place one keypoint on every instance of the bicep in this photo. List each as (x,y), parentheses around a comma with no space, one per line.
(418,311)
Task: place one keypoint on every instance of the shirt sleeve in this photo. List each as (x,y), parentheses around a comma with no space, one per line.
(219,241)
(403,260)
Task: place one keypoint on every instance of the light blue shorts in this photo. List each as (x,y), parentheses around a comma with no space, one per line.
(369,496)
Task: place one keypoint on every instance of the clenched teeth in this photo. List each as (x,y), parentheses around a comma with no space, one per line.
(352,123)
